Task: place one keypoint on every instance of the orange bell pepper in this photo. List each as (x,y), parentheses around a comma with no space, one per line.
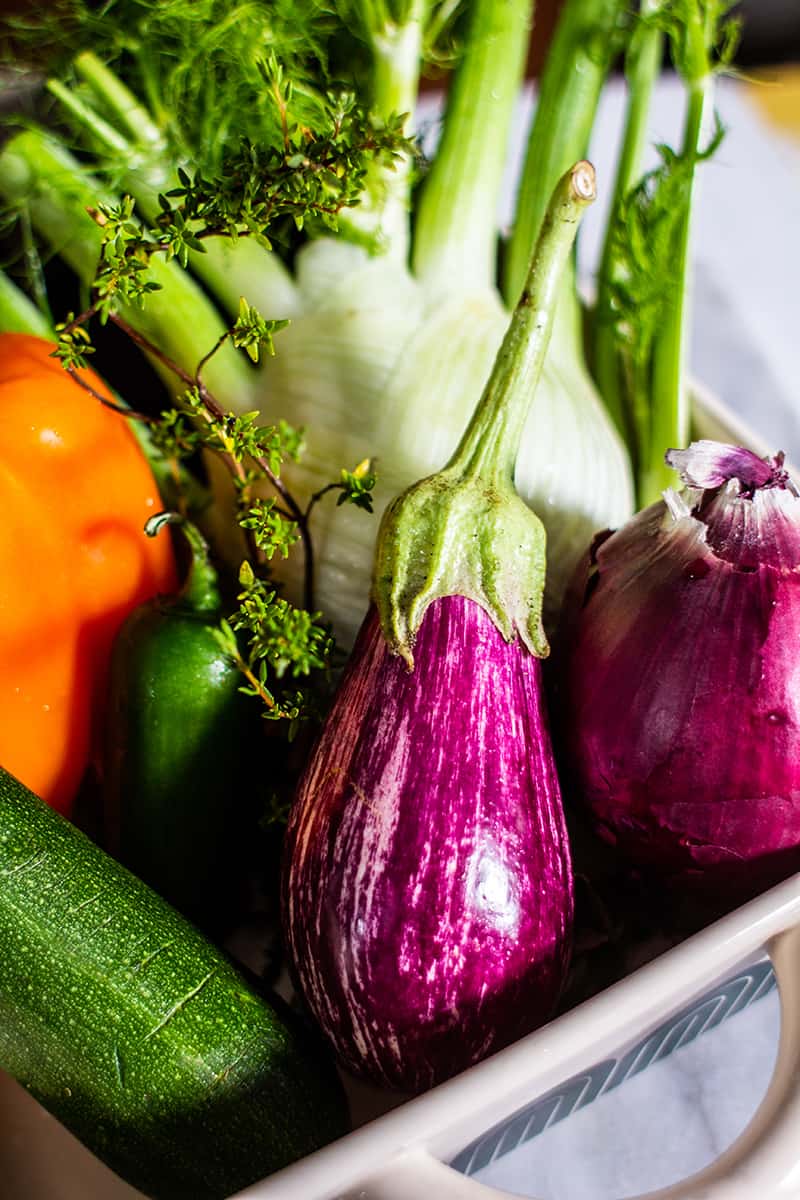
(75,492)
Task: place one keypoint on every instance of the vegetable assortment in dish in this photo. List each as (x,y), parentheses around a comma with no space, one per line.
(382,315)
(391,286)
(327,318)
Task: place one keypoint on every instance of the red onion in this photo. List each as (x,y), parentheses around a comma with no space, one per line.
(681,679)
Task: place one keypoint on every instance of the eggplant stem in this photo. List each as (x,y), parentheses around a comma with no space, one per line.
(490,445)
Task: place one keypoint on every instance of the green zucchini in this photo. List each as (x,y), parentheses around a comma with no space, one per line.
(134,1031)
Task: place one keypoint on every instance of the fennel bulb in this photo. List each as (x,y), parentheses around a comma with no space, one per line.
(437,318)
(377,364)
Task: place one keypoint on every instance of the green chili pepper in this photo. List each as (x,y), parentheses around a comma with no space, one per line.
(179,745)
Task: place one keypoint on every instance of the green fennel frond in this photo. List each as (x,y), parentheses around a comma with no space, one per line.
(196,64)
(640,316)
(703,37)
(645,243)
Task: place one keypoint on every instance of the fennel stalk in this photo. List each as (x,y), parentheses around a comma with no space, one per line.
(641,317)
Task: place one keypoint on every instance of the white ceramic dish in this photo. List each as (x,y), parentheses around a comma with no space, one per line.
(403,1154)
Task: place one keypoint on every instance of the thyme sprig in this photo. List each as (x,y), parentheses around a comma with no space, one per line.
(291,150)
(354,487)
(277,639)
(309,176)
(266,636)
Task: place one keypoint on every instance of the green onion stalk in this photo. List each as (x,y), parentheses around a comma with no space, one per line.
(669,397)
(643,60)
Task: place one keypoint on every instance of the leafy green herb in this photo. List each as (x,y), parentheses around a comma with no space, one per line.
(280,641)
(271,532)
(198,64)
(277,807)
(174,436)
(639,316)
(74,344)
(356,486)
(252,333)
(307,175)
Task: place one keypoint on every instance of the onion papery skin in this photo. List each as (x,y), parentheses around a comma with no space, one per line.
(427,889)
(680,685)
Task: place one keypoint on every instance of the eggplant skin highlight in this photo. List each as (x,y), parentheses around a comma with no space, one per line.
(427,888)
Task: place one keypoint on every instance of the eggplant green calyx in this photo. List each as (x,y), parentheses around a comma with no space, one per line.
(464,531)
(450,536)
(200,591)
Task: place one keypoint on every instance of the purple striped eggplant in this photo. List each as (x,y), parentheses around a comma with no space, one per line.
(427,893)
(429,899)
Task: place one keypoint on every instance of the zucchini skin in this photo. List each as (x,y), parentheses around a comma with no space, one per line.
(134,1031)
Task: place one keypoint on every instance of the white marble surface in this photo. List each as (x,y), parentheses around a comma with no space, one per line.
(658,1127)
